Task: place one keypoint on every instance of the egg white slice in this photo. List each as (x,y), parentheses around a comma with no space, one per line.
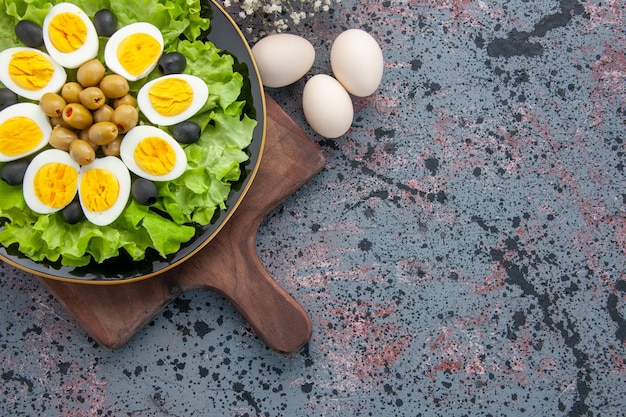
(35,115)
(32,186)
(134,138)
(9,59)
(199,91)
(111,57)
(83,52)
(112,166)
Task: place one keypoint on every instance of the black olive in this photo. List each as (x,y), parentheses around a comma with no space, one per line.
(186,132)
(73,212)
(144,191)
(7,98)
(172,63)
(29,33)
(13,172)
(105,22)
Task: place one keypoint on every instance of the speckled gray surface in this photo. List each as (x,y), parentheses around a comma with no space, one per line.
(462,253)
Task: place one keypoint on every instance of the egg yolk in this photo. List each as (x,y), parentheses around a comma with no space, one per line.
(19,135)
(155,156)
(55,184)
(137,52)
(67,32)
(99,189)
(170,96)
(30,70)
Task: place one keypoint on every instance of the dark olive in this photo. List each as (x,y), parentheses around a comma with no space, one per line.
(13,172)
(29,33)
(172,63)
(105,22)
(186,132)
(73,212)
(144,191)
(7,98)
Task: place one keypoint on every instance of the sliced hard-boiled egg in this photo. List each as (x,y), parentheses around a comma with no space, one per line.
(24,130)
(134,50)
(50,181)
(103,190)
(153,154)
(30,73)
(172,98)
(69,35)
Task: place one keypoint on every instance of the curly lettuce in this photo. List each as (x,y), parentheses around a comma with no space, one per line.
(189,201)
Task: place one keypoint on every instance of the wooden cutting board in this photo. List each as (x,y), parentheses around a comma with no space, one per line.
(229,264)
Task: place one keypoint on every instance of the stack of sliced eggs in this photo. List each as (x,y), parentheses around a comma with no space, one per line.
(85,133)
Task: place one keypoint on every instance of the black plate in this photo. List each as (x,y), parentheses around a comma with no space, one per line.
(225,34)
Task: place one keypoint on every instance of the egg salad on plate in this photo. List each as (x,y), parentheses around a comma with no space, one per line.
(116,134)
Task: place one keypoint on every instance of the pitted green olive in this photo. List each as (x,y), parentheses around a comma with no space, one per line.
(52,104)
(82,152)
(77,116)
(103,133)
(125,117)
(92,97)
(114,86)
(70,92)
(113,148)
(90,73)
(103,114)
(126,99)
(61,138)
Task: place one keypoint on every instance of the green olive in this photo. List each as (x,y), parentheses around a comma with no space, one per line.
(103,114)
(70,92)
(61,138)
(114,86)
(92,97)
(84,135)
(90,73)
(113,148)
(82,152)
(77,116)
(103,133)
(125,117)
(52,104)
(127,99)
(58,121)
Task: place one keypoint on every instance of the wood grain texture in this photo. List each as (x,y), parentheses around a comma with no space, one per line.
(229,264)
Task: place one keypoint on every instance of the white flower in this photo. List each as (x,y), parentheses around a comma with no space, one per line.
(276,15)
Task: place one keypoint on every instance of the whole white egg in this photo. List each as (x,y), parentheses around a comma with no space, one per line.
(171,99)
(104,189)
(69,35)
(327,106)
(24,130)
(133,51)
(357,62)
(283,58)
(153,154)
(30,73)
(50,181)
